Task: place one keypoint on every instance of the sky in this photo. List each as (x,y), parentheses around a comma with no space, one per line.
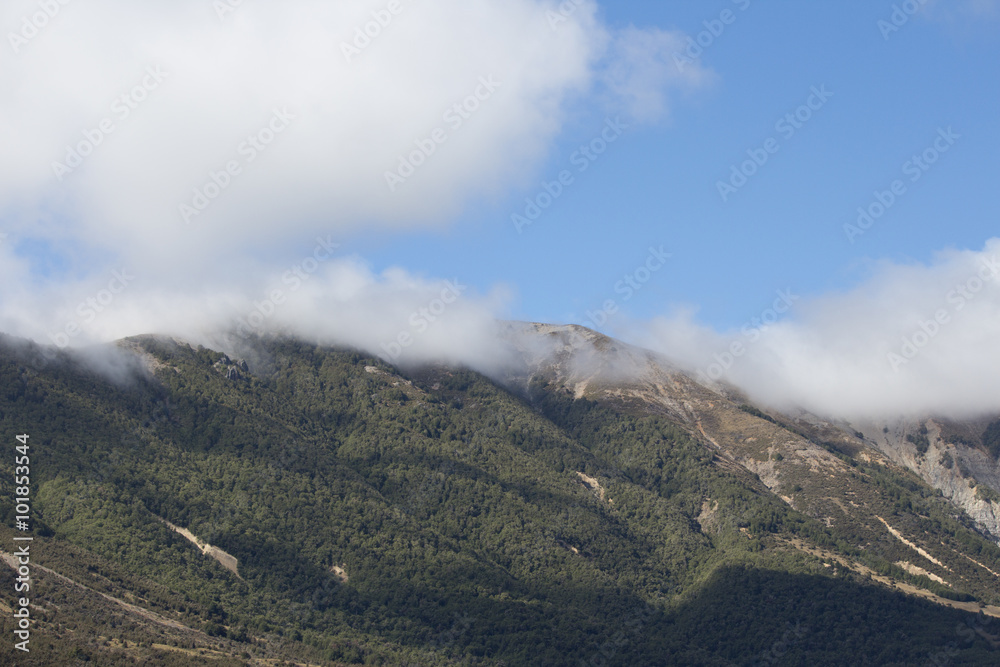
(799,198)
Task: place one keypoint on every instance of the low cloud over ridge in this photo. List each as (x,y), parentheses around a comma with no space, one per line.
(166,168)
(910,340)
(279,123)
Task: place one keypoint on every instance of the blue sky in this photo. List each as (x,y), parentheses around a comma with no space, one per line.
(784,228)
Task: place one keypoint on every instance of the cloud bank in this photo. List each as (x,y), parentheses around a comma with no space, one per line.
(169,168)
(184,132)
(910,340)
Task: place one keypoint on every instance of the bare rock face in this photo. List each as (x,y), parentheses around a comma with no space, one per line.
(233,370)
(224,559)
(965,474)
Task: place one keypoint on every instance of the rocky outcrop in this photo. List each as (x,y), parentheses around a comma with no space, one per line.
(233,370)
(225,560)
(964,474)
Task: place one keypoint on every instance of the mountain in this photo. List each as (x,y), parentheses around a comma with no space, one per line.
(960,458)
(591,504)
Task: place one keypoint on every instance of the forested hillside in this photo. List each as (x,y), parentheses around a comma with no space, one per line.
(433,517)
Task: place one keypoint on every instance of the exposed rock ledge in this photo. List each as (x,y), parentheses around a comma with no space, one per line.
(225,560)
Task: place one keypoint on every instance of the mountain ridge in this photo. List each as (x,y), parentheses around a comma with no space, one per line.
(469,517)
(660,383)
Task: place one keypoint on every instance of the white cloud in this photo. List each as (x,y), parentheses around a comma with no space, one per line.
(403,318)
(164,100)
(642,65)
(910,340)
(355,115)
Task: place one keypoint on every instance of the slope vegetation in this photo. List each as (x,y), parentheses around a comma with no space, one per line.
(434,517)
